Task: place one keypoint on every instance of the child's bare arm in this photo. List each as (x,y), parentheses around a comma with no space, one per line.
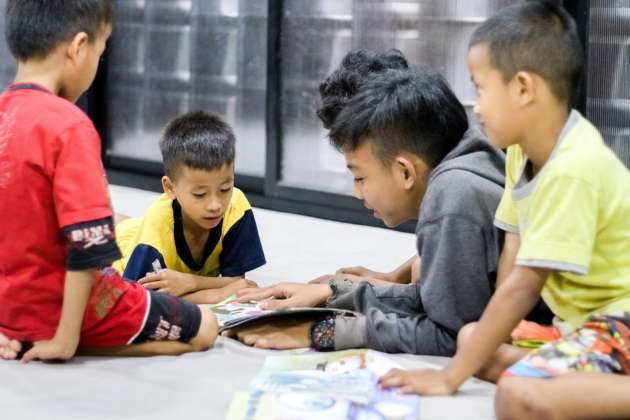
(511,246)
(63,345)
(509,305)
(184,284)
(403,274)
(216,295)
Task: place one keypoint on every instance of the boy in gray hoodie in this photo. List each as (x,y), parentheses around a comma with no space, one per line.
(406,139)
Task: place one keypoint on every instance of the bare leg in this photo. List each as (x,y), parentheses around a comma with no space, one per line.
(9,349)
(571,396)
(204,339)
(505,356)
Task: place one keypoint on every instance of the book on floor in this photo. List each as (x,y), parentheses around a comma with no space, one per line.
(323,386)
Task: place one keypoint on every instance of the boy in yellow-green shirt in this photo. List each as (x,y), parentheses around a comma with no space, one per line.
(566,211)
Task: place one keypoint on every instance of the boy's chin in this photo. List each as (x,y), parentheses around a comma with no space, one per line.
(391,223)
(210,223)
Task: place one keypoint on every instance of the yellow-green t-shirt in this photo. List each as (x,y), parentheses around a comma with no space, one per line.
(573,217)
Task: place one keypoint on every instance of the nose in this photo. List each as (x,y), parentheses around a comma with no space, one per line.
(213,205)
(476,109)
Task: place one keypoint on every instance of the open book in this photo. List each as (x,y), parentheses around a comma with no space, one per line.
(231,314)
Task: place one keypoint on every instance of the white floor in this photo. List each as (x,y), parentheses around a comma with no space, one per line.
(201,385)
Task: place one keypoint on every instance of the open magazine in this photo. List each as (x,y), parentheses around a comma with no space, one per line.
(232,314)
(336,385)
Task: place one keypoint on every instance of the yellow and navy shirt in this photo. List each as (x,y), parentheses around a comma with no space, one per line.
(156,241)
(573,217)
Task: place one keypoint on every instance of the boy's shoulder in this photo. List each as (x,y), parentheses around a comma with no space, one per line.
(459,192)
(582,153)
(239,205)
(468,182)
(44,109)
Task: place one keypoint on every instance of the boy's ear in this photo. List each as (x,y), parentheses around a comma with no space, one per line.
(405,172)
(78,46)
(167,185)
(526,86)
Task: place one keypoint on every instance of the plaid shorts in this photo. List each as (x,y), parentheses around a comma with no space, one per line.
(601,344)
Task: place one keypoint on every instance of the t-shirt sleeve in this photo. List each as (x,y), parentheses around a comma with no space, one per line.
(144,259)
(90,245)
(562,225)
(242,249)
(79,183)
(506,216)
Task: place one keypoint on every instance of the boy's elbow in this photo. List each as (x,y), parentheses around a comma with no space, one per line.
(527,283)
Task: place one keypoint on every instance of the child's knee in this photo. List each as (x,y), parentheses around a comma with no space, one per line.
(518,398)
(208,331)
(465,333)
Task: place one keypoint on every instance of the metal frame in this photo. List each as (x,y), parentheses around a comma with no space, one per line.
(269,191)
(265,192)
(580,10)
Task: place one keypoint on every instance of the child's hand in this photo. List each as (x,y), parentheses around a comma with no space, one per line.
(279,335)
(9,349)
(287,295)
(421,382)
(50,350)
(168,281)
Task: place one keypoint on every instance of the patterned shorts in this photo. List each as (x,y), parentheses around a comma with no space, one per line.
(601,344)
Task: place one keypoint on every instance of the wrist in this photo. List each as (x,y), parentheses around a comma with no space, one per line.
(322,334)
(67,343)
(191,281)
(453,379)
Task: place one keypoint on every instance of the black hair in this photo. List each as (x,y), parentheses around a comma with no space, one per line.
(537,36)
(199,140)
(402,110)
(34,28)
(345,81)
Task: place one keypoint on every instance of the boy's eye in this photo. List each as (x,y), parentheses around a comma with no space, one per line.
(358,180)
(199,195)
(226,190)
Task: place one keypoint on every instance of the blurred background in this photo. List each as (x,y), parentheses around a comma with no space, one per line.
(259,63)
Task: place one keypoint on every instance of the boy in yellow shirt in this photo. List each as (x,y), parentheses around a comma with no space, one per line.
(566,211)
(200,237)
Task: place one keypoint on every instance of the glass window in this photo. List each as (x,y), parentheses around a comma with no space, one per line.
(608,102)
(316,34)
(7,63)
(171,56)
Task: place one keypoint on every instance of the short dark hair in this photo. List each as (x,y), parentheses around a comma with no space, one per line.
(342,84)
(537,36)
(402,110)
(200,140)
(34,28)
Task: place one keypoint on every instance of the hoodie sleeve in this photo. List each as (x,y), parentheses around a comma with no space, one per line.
(425,318)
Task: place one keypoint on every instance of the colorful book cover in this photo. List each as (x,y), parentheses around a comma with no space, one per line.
(259,405)
(335,385)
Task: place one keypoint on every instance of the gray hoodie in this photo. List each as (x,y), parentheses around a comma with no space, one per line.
(459,248)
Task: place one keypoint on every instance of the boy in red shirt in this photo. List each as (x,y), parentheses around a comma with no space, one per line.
(56,288)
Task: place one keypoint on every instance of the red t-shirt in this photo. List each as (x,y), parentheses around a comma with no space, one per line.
(51,177)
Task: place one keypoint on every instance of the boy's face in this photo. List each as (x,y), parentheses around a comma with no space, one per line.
(85,57)
(384,188)
(497,103)
(203,195)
